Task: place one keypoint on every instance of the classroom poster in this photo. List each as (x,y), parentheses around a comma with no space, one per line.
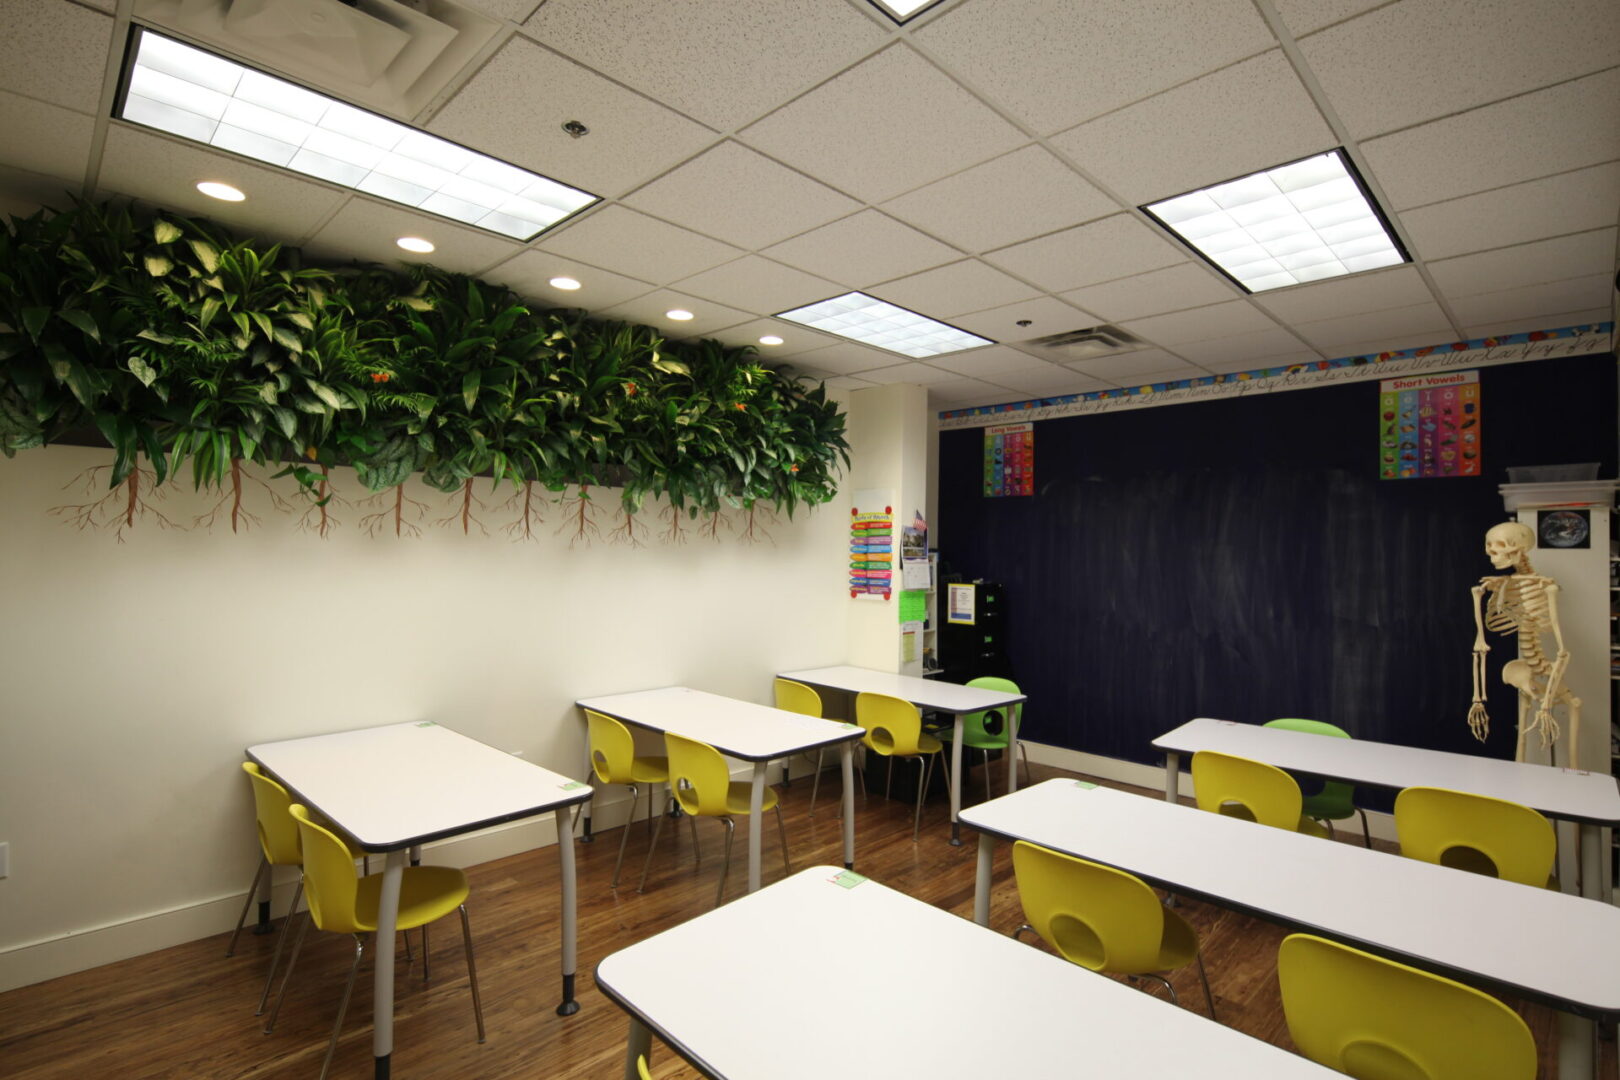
(871,552)
(914,567)
(1429,426)
(959,604)
(1009,460)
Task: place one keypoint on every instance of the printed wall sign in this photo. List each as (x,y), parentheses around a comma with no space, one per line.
(871,553)
(1429,426)
(1009,460)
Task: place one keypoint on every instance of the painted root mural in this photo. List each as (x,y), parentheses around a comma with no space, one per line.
(188,350)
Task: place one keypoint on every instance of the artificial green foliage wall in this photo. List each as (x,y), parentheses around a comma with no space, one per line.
(191,350)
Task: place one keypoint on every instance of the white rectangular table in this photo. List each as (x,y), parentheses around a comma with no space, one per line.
(396,787)
(758,734)
(1539,944)
(1591,800)
(929,695)
(782,966)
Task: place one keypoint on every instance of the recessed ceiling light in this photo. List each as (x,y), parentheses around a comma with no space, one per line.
(902,11)
(216,190)
(770,339)
(567,284)
(873,322)
(1304,221)
(678,314)
(416,244)
(208,99)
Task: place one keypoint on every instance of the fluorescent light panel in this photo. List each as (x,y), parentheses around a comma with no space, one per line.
(1299,222)
(870,321)
(208,99)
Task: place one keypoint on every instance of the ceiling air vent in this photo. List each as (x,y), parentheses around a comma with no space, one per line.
(1088,344)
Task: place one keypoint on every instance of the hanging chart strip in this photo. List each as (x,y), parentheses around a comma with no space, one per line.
(871,552)
(1429,426)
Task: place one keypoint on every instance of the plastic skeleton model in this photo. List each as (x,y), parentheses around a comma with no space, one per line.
(1525,604)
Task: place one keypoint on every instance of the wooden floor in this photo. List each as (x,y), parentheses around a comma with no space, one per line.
(188,1011)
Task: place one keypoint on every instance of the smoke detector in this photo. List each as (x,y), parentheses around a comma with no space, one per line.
(1087,344)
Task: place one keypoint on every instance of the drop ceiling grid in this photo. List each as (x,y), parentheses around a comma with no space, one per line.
(55,52)
(954,289)
(1519,213)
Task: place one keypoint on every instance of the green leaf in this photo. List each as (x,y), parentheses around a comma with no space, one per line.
(469,387)
(286,420)
(158,265)
(288,340)
(83,321)
(206,254)
(327,394)
(34,319)
(267,393)
(262,321)
(142,370)
(165,232)
(210,308)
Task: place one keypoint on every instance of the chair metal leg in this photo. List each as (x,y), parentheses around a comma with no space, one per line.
(1173,997)
(281,939)
(889,782)
(923,774)
(725,865)
(253,891)
(988,794)
(635,793)
(1024,753)
(697,850)
(343,1006)
(1366,833)
(472,968)
(1329,823)
(286,976)
(652,847)
(1021,929)
(424,952)
(814,787)
(1209,998)
(781,829)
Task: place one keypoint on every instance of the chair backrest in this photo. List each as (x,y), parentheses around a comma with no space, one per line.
(991,724)
(613,748)
(641,1059)
(1241,787)
(278,832)
(893,725)
(330,883)
(1375,1019)
(797,697)
(1475,832)
(1330,788)
(697,775)
(1093,915)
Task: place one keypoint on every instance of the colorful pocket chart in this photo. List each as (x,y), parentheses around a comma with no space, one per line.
(1429,426)
(871,553)
(1009,460)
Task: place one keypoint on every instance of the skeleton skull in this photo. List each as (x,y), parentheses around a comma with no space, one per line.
(1507,542)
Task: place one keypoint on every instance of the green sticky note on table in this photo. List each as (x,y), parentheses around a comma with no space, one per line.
(427,723)
(1084,784)
(848,879)
(571,785)
(913,605)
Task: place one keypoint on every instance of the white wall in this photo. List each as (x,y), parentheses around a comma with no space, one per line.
(133,674)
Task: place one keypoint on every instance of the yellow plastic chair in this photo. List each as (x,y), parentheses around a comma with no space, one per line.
(1252,790)
(802,699)
(703,787)
(614,759)
(988,730)
(1337,800)
(343,903)
(894,730)
(1477,833)
(641,1067)
(278,846)
(1102,918)
(1375,1019)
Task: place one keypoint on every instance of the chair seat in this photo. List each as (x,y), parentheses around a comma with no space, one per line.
(981,742)
(426,893)
(1328,806)
(1179,946)
(737,795)
(1306,825)
(926,744)
(649,770)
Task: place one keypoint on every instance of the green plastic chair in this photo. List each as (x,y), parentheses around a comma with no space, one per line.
(987,730)
(1336,801)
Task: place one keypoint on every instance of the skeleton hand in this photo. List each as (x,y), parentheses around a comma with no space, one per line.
(1478,721)
(1546,725)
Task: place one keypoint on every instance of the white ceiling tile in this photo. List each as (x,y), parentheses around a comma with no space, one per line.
(1540,322)
(964,393)
(514,109)
(914,372)
(1526,264)
(1114,247)
(1056,64)
(862,250)
(55,52)
(1148,378)
(1172,289)
(22,193)
(45,139)
(889,124)
(366,230)
(1303,16)
(760,285)
(721,63)
(1335,337)
(953,289)
(1251,348)
(637,246)
(1381,70)
(1201,133)
(1238,362)
(1018,195)
(1044,314)
(1550,131)
(514,10)
(846,358)
(279,206)
(744,198)
(990,362)
(1135,365)
(796,339)
(649,310)
(1052,382)
(1200,324)
(1576,294)
(1552,206)
(1400,286)
(530,273)
(849,382)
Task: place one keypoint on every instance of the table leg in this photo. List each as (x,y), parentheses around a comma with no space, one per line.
(586,837)
(382,996)
(756,824)
(640,1042)
(1577,1048)
(956,780)
(1172,777)
(981,880)
(846,755)
(1590,837)
(570,917)
(1015,716)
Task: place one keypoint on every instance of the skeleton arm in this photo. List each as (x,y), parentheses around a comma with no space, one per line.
(1555,678)
(1479,722)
